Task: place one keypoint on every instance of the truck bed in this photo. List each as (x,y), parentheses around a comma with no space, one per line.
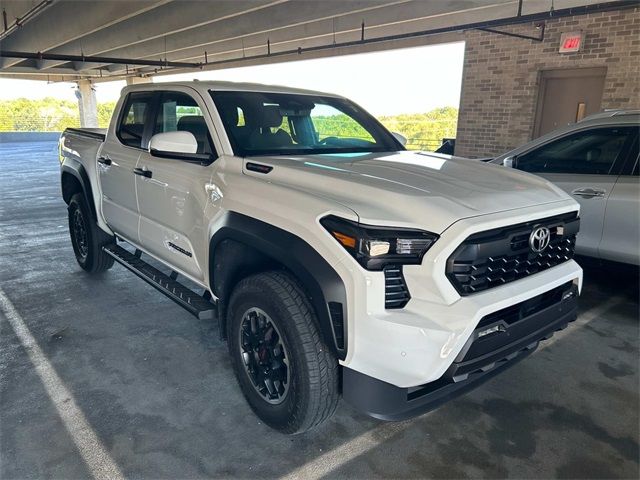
(97,133)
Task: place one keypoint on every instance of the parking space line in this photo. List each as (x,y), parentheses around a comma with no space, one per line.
(333,459)
(583,319)
(89,445)
(325,464)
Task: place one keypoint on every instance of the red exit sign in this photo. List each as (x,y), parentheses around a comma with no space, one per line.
(570,42)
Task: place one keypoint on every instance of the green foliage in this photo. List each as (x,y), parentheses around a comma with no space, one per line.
(424,131)
(342,126)
(104,113)
(46,115)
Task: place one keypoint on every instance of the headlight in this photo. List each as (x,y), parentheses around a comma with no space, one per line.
(374,247)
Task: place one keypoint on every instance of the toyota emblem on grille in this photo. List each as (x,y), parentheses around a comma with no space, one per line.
(539,239)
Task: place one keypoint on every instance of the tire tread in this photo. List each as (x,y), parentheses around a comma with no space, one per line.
(322,364)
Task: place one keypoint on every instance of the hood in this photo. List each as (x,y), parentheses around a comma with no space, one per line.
(409,188)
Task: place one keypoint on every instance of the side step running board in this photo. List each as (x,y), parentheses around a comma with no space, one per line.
(188,299)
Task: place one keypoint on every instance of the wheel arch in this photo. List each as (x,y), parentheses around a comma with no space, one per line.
(74,179)
(242,246)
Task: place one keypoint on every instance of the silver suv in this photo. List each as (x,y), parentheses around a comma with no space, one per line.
(596,161)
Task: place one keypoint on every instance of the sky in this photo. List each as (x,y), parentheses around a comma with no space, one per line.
(410,80)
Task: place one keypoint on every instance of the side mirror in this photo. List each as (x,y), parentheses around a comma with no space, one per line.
(401,138)
(163,144)
(510,162)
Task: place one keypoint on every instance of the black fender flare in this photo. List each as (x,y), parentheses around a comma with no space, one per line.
(323,285)
(76,169)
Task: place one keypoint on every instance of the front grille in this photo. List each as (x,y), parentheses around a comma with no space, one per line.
(396,293)
(495,257)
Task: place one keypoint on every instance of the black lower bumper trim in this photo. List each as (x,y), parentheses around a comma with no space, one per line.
(388,402)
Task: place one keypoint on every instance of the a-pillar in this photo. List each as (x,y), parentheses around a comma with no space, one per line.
(87,104)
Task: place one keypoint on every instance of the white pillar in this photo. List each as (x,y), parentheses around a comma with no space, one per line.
(87,104)
(137,80)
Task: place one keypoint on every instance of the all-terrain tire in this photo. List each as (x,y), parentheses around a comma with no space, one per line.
(312,392)
(87,238)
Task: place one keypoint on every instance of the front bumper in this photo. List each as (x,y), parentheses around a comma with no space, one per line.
(500,340)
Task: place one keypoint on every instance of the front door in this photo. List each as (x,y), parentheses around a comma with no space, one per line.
(621,234)
(117,160)
(567,96)
(172,194)
(586,165)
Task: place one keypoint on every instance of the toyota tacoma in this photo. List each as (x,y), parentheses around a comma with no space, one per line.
(334,261)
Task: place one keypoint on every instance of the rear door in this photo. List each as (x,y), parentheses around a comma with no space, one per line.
(586,165)
(116,163)
(172,194)
(621,232)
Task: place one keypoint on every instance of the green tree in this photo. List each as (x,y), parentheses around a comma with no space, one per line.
(105,110)
(424,131)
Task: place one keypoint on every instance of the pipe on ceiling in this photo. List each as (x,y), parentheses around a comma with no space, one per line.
(20,21)
(96,59)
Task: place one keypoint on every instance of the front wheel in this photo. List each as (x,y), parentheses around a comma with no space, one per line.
(286,372)
(87,238)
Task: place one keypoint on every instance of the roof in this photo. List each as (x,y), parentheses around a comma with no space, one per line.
(43,39)
(610,114)
(230,86)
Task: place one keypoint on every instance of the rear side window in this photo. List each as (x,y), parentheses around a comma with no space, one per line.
(134,116)
(592,152)
(180,112)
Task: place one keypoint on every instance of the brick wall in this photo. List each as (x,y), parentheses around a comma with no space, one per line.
(501,75)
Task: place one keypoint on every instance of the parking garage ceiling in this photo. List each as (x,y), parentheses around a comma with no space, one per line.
(68,40)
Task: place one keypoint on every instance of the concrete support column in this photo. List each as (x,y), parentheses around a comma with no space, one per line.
(137,80)
(87,104)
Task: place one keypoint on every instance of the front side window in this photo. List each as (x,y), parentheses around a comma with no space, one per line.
(591,152)
(180,112)
(134,116)
(259,123)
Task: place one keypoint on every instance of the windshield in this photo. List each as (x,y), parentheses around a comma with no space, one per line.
(260,123)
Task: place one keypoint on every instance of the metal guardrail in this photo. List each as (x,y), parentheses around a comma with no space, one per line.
(43,123)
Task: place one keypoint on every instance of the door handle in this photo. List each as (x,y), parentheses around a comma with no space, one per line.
(142,172)
(104,160)
(588,192)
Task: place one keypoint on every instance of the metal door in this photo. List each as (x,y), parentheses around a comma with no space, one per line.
(621,231)
(586,165)
(173,193)
(117,160)
(567,96)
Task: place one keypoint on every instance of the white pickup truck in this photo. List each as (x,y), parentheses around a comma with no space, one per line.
(334,261)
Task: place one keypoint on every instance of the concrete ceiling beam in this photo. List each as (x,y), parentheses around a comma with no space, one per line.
(167,19)
(70,20)
(414,16)
(275,17)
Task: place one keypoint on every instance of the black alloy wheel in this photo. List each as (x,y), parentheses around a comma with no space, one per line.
(265,356)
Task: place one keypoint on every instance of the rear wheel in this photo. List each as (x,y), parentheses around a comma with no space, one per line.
(87,238)
(286,372)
